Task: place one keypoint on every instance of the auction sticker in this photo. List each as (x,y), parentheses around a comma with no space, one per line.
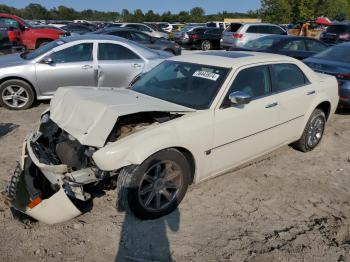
(206,75)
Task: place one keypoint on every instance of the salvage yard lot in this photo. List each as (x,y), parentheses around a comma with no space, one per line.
(286,206)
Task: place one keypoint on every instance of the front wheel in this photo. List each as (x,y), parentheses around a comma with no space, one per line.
(16,95)
(156,187)
(313,132)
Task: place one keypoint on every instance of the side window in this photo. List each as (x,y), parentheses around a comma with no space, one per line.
(140,37)
(254,81)
(315,46)
(144,28)
(123,34)
(287,76)
(294,45)
(276,30)
(8,22)
(255,29)
(107,51)
(76,53)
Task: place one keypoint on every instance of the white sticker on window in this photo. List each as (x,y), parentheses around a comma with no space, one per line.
(206,75)
(60,42)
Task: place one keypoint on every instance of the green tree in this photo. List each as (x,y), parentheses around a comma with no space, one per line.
(276,11)
(35,11)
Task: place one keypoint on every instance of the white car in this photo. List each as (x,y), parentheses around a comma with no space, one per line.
(190,118)
(146,29)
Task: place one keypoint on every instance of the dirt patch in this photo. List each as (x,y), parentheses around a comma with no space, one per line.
(290,206)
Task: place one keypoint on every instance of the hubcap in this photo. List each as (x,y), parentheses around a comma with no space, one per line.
(206,45)
(160,185)
(15,96)
(315,132)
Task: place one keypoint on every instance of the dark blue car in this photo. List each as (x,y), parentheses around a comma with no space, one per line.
(335,61)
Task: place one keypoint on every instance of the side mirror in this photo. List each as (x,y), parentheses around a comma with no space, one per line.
(47,60)
(239,98)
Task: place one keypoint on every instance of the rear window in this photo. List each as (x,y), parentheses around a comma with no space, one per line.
(337,29)
(233,27)
(335,53)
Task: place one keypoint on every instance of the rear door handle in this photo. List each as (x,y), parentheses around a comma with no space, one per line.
(271,105)
(86,67)
(136,65)
(311,92)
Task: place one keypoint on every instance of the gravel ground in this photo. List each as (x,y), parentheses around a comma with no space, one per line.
(288,206)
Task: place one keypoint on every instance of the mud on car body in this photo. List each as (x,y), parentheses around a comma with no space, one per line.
(190,118)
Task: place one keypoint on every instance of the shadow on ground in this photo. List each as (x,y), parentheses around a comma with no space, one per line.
(6,128)
(146,241)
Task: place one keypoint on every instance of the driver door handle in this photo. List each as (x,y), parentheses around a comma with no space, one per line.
(86,67)
(271,105)
(311,92)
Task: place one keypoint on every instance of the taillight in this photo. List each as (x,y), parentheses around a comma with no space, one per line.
(238,36)
(195,36)
(344,36)
(343,76)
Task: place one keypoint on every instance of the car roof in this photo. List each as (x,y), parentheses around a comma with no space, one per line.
(230,59)
(114,29)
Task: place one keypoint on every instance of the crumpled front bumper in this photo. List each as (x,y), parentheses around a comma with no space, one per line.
(54,209)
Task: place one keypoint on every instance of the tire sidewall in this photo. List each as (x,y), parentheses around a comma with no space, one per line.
(316,114)
(22,84)
(133,199)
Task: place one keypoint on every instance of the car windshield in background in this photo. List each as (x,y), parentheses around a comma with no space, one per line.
(337,29)
(335,53)
(191,85)
(42,50)
(261,43)
(233,27)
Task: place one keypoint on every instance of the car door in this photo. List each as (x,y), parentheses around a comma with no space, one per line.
(243,132)
(294,93)
(295,48)
(117,65)
(70,66)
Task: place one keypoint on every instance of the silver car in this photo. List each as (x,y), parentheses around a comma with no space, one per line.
(88,60)
(238,34)
(146,29)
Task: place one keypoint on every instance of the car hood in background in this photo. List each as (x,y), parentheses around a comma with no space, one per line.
(322,65)
(89,114)
(11,60)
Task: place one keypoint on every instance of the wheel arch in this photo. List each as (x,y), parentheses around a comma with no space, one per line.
(3,80)
(190,159)
(325,106)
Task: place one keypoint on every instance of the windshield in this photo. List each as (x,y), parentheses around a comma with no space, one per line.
(42,50)
(262,43)
(335,53)
(191,85)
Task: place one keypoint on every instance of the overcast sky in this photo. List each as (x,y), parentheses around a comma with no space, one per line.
(210,6)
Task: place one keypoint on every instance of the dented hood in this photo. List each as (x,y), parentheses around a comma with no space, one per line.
(89,114)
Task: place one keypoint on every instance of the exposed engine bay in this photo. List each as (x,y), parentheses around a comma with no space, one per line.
(57,168)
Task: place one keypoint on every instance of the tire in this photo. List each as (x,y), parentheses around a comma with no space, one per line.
(16,95)
(41,43)
(313,132)
(135,186)
(206,45)
(170,51)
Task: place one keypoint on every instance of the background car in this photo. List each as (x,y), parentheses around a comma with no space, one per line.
(77,29)
(71,61)
(238,34)
(221,25)
(336,34)
(176,28)
(182,37)
(144,39)
(204,38)
(335,61)
(146,29)
(294,46)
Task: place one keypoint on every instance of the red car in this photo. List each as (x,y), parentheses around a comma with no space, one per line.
(29,36)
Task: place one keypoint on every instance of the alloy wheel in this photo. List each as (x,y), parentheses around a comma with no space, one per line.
(15,96)
(315,131)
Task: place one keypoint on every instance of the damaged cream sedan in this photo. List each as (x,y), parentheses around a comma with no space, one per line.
(190,118)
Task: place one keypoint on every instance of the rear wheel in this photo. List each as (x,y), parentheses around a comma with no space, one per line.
(156,187)
(206,45)
(313,132)
(16,95)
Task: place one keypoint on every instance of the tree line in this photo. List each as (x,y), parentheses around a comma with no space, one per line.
(196,14)
(274,11)
(286,11)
